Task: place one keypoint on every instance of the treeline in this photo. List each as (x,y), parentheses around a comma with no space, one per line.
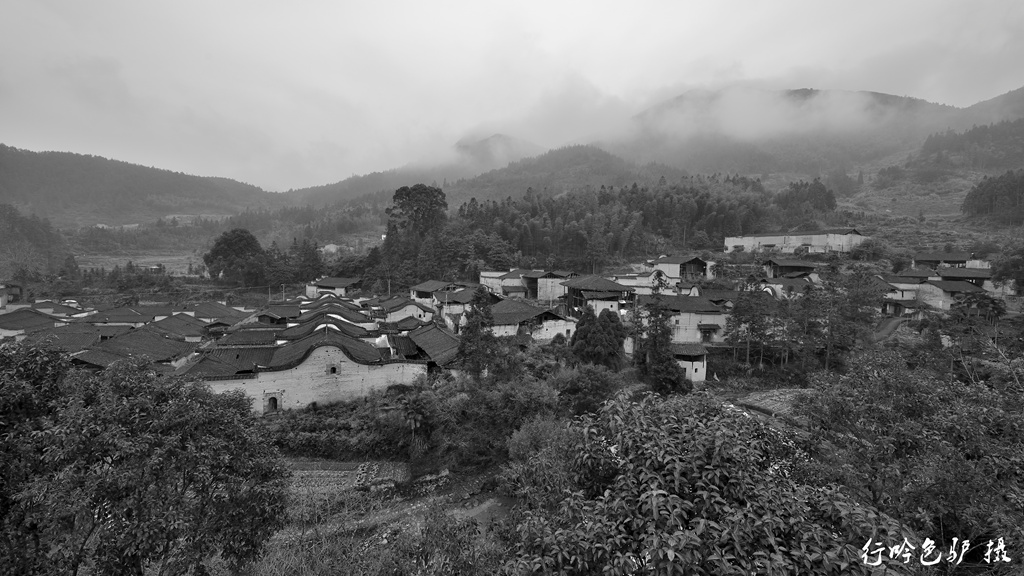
(988,147)
(1000,198)
(583,230)
(282,225)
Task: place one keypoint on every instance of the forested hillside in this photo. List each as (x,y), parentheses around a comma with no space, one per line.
(587,229)
(756,131)
(1000,198)
(990,147)
(562,170)
(470,157)
(73,190)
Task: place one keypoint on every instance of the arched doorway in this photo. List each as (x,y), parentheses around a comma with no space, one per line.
(272,404)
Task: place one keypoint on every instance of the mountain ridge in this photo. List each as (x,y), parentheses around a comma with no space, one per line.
(747,131)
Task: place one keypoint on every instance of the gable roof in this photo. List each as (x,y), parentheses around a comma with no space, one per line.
(942,257)
(899,279)
(248,338)
(209,366)
(243,359)
(720,295)
(405,324)
(335,282)
(838,231)
(149,343)
(28,320)
(70,338)
(440,345)
(215,311)
(96,357)
(954,286)
(516,273)
(684,304)
(918,272)
(509,312)
(122,314)
(403,345)
(430,286)
(679,259)
(56,308)
(596,284)
(464,296)
(791,263)
(179,325)
(399,302)
(980,273)
(287,311)
(688,349)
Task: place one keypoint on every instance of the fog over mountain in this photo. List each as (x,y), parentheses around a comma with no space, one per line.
(285,96)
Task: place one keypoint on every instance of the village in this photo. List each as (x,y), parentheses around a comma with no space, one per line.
(335,342)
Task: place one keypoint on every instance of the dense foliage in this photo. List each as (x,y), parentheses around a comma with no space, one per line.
(993,147)
(684,486)
(1000,198)
(599,339)
(28,246)
(586,229)
(942,455)
(124,471)
(236,256)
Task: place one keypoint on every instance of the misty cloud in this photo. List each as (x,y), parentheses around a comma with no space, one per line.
(750,114)
(285,96)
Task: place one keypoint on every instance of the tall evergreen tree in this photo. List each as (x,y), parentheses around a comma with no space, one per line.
(477,344)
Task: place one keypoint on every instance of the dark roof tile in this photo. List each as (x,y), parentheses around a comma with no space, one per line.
(440,345)
(595,283)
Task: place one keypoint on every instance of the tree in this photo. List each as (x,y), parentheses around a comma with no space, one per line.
(238,256)
(598,340)
(418,210)
(477,344)
(128,472)
(1009,266)
(653,357)
(845,307)
(748,322)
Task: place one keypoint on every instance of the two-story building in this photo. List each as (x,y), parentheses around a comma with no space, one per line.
(693,319)
(599,293)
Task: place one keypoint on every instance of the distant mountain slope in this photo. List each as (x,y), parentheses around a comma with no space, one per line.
(1007,107)
(73,190)
(752,130)
(557,171)
(469,157)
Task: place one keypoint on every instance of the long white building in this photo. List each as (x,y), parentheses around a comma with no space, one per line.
(835,240)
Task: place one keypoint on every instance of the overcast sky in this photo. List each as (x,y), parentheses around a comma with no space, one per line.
(292,94)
